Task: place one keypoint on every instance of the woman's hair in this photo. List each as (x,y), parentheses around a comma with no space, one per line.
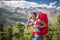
(34,14)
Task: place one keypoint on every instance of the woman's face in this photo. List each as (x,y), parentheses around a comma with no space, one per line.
(33,16)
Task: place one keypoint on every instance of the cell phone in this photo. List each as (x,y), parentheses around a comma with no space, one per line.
(30,17)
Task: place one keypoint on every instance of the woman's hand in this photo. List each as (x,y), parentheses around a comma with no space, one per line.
(30,17)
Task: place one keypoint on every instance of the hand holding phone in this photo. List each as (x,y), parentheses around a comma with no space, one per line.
(30,17)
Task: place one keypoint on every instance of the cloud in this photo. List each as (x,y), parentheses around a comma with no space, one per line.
(0,4)
(53,3)
(58,8)
(12,0)
(26,4)
(42,5)
(51,7)
(46,6)
(21,4)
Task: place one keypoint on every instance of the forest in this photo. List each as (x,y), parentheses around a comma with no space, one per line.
(18,31)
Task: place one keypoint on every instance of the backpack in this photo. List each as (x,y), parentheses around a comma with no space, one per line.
(43,17)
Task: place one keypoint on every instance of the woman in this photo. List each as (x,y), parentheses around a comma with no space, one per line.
(37,25)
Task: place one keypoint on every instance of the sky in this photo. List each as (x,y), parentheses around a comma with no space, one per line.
(45,1)
(40,3)
(50,3)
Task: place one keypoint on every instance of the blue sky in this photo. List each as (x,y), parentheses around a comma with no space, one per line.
(45,2)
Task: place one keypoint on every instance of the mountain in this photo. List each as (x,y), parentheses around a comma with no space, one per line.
(19,11)
(10,18)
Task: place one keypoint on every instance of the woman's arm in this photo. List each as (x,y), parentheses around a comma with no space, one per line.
(29,24)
